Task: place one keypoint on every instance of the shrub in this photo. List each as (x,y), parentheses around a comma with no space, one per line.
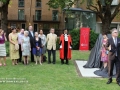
(57,44)
(7,48)
(93,38)
(75,34)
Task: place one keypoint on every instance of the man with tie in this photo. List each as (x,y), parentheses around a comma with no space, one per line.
(113,46)
(31,35)
(51,45)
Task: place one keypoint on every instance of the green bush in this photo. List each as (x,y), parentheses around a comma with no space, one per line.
(93,38)
(75,34)
(7,48)
(57,44)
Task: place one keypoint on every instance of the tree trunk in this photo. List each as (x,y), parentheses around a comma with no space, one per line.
(106,26)
(4,18)
(106,22)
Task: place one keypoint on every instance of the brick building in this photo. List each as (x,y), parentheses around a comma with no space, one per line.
(22,13)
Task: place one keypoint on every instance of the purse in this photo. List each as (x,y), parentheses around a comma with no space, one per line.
(16,47)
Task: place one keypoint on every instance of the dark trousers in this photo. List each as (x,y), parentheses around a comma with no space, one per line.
(111,64)
(54,56)
(65,52)
(20,53)
(32,56)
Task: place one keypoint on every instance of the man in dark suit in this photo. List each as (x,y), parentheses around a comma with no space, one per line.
(113,46)
(31,35)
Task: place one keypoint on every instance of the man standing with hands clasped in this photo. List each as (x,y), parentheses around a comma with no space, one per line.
(113,46)
(51,45)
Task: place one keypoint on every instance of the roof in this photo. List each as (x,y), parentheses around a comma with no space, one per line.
(77,9)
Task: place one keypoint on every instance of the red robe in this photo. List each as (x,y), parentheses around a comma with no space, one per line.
(62,49)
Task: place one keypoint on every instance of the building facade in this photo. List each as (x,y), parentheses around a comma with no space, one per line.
(22,13)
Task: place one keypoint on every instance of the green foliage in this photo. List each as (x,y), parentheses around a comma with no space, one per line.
(57,44)
(93,38)
(7,48)
(75,35)
(4,1)
(61,3)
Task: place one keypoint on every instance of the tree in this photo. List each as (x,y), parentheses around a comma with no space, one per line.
(4,13)
(102,8)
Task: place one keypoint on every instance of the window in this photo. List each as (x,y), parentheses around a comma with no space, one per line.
(55,15)
(38,15)
(21,14)
(45,26)
(38,3)
(56,26)
(13,25)
(114,2)
(20,3)
(35,27)
(23,25)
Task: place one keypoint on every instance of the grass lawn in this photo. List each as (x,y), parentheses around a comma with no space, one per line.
(51,77)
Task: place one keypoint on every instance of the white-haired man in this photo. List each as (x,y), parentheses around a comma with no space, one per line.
(113,46)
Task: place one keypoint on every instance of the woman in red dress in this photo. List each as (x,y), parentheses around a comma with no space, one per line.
(65,47)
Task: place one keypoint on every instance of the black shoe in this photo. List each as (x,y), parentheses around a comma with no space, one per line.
(109,81)
(62,62)
(118,83)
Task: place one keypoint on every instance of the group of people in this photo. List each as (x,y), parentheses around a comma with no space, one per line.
(28,43)
(110,55)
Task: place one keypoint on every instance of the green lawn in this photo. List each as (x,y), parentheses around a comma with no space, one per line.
(52,77)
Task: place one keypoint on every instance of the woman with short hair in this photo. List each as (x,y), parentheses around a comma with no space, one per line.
(26,47)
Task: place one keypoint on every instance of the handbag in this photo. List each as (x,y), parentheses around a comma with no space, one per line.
(16,47)
(38,52)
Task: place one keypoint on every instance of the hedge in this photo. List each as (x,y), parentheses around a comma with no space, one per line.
(75,34)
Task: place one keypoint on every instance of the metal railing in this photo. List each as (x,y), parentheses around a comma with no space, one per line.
(46,18)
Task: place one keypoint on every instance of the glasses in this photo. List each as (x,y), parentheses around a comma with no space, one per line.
(115,32)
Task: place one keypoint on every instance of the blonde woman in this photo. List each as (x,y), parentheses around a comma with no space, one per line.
(25,47)
(14,47)
(104,54)
(2,47)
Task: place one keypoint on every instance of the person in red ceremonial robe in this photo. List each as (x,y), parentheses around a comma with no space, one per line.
(65,47)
